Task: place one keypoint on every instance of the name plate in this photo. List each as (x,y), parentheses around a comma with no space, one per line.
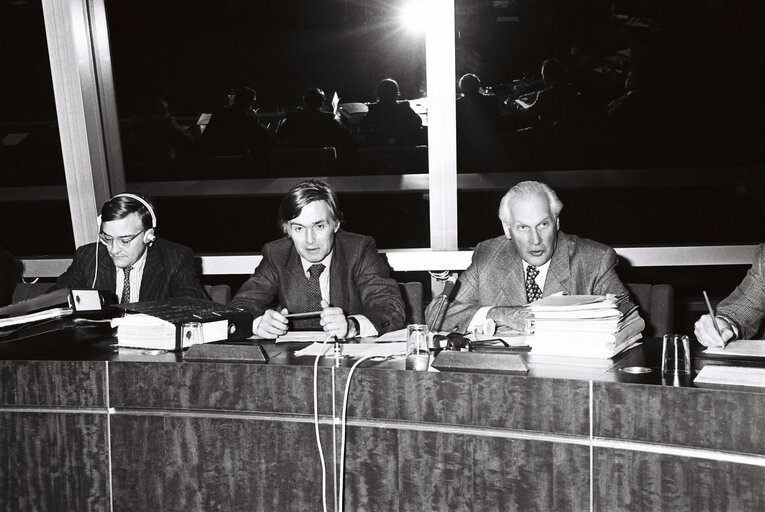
(453,361)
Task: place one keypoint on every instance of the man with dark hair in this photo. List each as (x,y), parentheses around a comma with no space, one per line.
(309,127)
(533,259)
(320,268)
(391,122)
(235,129)
(134,263)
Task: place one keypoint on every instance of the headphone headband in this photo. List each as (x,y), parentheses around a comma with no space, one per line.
(142,201)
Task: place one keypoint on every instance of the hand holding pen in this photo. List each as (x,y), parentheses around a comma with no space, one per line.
(712,330)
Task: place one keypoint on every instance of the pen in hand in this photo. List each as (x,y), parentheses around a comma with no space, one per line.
(714,319)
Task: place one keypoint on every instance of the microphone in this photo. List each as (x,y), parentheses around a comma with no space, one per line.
(443,298)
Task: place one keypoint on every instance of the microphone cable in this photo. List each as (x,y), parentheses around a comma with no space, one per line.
(316,421)
(341,492)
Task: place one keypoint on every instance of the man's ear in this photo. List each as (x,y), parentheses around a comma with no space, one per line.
(557,224)
(149,236)
(337,226)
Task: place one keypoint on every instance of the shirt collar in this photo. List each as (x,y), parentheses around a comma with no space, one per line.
(307,264)
(541,268)
(138,265)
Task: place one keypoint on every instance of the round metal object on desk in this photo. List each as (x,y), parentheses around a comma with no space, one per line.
(635,369)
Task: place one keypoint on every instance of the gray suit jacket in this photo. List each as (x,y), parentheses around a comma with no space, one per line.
(745,306)
(359,282)
(169,271)
(496,278)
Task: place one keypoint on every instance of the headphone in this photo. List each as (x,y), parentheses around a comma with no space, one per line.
(148,237)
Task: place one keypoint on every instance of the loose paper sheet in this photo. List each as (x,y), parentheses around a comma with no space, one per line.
(731,375)
(357,349)
(748,348)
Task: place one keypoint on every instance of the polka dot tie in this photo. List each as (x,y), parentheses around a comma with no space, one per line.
(313,295)
(532,289)
(126,286)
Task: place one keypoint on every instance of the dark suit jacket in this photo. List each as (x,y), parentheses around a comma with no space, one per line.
(169,272)
(359,282)
(496,278)
(745,307)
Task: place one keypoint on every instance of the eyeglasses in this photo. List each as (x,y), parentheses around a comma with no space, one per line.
(123,242)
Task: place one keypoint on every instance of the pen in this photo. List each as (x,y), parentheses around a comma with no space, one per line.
(307,314)
(714,320)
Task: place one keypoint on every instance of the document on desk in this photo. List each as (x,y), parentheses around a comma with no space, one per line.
(747,348)
(301,336)
(731,375)
(357,349)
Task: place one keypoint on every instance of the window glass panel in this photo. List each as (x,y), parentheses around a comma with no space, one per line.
(649,115)
(181,72)
(30,147)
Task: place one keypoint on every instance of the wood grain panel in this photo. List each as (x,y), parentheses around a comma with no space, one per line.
(544,405)
(53,462)
(519,475)
(53,383)
(630,481)
(470,399)
(702,418)
(218,386)
(203,463)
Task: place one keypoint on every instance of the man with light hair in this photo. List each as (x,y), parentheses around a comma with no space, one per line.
(533,259)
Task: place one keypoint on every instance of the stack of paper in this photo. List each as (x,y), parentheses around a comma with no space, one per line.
(598,326)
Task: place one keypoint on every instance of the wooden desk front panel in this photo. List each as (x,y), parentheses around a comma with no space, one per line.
(558,406)
(53,461)
(630,480)
(53,383)
(53,436)
(712,419)
(210,463)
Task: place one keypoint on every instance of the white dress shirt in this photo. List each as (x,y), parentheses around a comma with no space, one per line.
(136,275)
(365,326)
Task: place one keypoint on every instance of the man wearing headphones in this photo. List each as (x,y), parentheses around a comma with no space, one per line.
(130,260)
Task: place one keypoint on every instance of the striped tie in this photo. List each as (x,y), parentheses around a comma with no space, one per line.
(126,286)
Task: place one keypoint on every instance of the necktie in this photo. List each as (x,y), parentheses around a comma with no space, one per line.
(126,286)
(313,295)
(532,289)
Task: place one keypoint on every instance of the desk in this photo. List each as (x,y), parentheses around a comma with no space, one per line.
(91,427)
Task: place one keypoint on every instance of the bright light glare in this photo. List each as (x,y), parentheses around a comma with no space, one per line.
(414,16)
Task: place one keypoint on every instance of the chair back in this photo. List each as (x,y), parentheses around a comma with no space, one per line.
(656,305)
(412,293)
(220,293)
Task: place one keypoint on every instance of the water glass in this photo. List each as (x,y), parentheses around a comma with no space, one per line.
(417,352)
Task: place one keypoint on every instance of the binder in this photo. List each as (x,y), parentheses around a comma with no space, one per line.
(170,324)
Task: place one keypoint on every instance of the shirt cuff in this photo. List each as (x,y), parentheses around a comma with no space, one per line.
(366,329)
(479,318)
(256,324)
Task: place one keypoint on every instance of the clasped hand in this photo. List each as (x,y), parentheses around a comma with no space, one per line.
(274,323)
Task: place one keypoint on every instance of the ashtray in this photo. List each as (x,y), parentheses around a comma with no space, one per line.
(635,369)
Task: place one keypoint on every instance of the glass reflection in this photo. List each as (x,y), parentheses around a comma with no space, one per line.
(30,146)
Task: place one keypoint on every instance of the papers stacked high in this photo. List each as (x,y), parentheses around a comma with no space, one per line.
(597,326)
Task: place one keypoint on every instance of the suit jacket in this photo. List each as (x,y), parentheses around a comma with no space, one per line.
(359,282)
(745,306)
(496,277)
(169,271)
